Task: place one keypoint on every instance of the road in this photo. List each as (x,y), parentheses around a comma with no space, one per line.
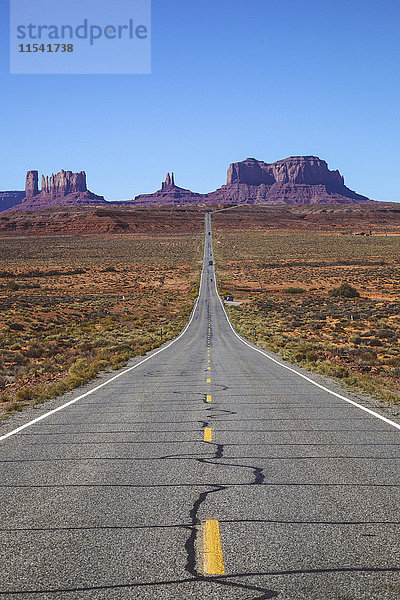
(208,471)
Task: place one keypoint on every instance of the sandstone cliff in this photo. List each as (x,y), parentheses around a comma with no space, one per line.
(64,183)
(31,184)
(294,180)
(309,170)
(61,189)
(10,199)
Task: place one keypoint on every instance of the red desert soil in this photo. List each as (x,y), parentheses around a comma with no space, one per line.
(90,220)
(340,218)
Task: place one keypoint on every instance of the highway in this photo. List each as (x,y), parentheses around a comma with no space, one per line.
(207,471)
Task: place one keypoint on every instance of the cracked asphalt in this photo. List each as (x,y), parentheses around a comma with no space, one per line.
(105,498)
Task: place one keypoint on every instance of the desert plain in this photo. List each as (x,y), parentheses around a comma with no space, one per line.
(83,291)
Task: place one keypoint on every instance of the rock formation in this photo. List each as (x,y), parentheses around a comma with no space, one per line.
(294,180)
(61,189)
(309,170)
(169,183)
(64,183)
(10,199)
(169,193)
(31,184)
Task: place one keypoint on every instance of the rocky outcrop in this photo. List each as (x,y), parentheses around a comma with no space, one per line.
(64,183)
(309,170)
(169,183)
(10,199)
(61,189)
(294,180)
(31,184)
(169,193)
(60,184)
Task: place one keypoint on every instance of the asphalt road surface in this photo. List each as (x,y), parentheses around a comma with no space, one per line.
(209,471)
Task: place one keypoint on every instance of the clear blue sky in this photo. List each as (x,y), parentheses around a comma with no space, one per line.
(230,79)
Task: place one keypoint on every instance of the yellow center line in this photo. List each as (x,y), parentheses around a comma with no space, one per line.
(208,398)
(208,380)
(213,558)
(207,434)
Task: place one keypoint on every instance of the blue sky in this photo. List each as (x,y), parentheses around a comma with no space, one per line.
(230,79)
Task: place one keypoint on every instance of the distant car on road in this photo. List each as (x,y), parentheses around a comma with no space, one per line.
(210,262)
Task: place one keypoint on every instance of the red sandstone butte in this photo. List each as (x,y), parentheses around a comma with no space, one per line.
(294,180)
(62,189)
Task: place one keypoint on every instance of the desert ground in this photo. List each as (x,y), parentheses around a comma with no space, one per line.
(84,290)
(73,306)
(290,287)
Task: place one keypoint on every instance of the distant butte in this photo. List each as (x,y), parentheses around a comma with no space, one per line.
(62,189)
(10,199)
(169,193)
(294,180)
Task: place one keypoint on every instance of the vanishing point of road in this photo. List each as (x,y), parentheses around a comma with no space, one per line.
(209,470)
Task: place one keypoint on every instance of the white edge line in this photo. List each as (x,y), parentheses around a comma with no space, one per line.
(322,387)
(51,412)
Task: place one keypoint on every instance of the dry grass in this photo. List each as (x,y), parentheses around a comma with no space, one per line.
(71,307)
(285,280)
